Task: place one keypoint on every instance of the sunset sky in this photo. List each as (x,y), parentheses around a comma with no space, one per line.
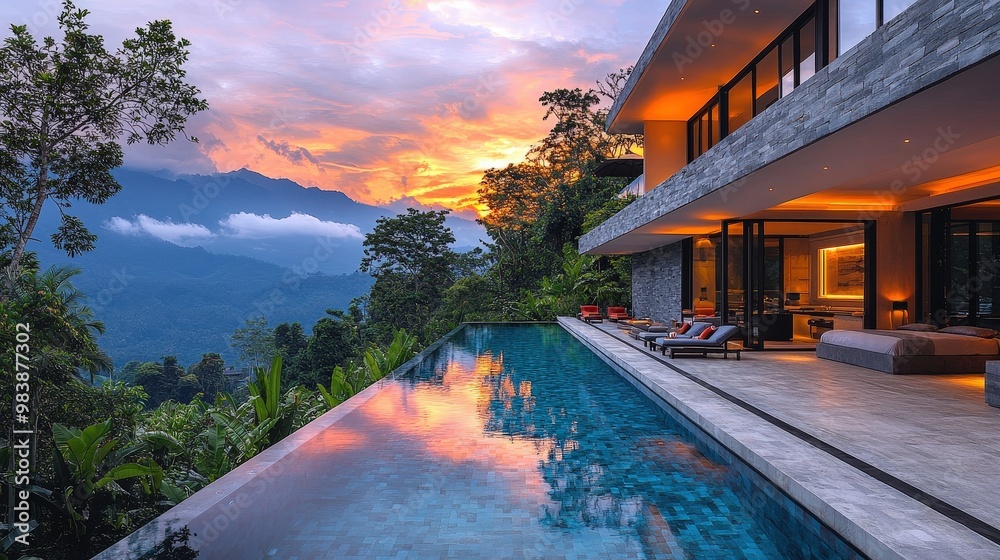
(383,100)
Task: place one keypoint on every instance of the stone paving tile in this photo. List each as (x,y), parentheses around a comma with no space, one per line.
(934,432)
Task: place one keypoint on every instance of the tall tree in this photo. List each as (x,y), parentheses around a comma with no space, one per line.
(66,105)
(209,373)
(334,341)
(539,205)
(413,264)
(255,343)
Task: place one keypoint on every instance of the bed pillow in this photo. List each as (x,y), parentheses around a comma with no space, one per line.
(970,331)
(921,327)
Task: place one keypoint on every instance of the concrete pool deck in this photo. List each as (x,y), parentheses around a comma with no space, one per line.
(932,433)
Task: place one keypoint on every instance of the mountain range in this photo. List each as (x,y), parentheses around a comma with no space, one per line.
(181,262)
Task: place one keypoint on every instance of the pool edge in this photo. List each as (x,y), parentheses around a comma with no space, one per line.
(807,491)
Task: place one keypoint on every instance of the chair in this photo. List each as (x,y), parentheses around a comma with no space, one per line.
(616,314)
(715,344)
(591,313)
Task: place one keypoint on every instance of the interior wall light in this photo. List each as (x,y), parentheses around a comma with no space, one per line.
(704,245)
(900,308)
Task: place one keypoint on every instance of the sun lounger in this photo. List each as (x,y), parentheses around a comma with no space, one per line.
(715,344)
(616,314)
(649,338)
(591,313)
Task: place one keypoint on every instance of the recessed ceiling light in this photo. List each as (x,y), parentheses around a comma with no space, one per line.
(713,44)
(826,167)
(771,189)
(906,141)
(756,11)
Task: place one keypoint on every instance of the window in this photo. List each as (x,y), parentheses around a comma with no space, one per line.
(857,20)
(766,81)
(705,129)
(892,8)
(807,50)
(787,66)
(813,41)
(706,140)
(741,102)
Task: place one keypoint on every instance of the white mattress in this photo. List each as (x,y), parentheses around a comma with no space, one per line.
(945,344)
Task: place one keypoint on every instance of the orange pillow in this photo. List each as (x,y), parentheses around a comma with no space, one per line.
(707,333)
(684,328)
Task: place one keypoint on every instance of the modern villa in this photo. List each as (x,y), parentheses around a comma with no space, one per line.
(813,165)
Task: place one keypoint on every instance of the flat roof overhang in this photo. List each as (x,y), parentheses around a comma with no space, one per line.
(938,147)
(697,46)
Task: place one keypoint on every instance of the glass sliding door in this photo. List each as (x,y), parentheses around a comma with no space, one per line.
(753,231)
(787,282)
(988,306)
(733,277)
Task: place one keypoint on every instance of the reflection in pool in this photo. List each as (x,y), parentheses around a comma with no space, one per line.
(513,441)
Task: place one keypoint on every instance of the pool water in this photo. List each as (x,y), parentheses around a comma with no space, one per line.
(515,441)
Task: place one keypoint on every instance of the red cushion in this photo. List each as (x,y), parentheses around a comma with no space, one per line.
(707,333)
(684,328)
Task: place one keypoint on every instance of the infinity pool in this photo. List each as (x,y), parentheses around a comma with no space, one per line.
(513,441)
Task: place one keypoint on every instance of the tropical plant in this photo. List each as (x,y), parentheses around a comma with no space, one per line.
(86,462)
(284,413)
(64,330)
(347,382)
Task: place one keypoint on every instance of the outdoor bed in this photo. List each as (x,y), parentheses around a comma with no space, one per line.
(948,350)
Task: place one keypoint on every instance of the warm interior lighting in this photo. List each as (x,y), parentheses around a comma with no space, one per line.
(704,245)
(826,167)
(906,141)
(842,272)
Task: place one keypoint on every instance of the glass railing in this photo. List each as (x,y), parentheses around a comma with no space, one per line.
(637,187)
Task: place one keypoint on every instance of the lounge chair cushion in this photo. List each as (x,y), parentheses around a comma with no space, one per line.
(696,329)
(720,337)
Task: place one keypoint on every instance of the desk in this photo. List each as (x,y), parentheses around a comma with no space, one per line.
(811,323)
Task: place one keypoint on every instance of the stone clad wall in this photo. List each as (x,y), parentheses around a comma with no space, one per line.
(656,283)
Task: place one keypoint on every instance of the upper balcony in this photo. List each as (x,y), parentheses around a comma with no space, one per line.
(903,120)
